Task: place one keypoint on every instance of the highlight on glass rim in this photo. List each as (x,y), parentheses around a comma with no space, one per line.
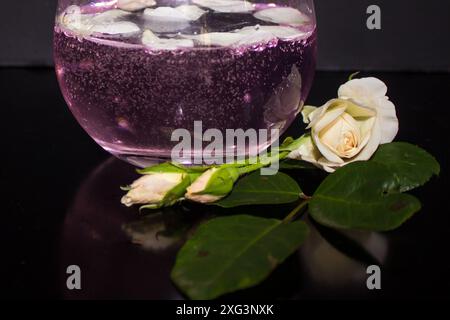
(235,157)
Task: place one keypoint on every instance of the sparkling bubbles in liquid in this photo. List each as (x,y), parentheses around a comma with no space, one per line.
(134,71)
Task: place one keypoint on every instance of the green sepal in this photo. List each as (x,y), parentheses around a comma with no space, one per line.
(290,144)
(221,182)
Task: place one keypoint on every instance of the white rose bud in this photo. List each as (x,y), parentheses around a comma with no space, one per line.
(213,185)
(349,128)
(157,189)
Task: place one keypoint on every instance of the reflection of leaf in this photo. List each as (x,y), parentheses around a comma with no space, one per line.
(362,195)
(159,230)
(236,252)
(411,165)
(257,189)
(345,245)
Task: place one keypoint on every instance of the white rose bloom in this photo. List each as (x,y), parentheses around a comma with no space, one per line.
(349,128)
(152,188)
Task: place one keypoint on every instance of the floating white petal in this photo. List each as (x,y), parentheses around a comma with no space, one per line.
(223,39)
(116,28)
(281,32)
(135,5)
(72,19)
(179,14)
(246,36)
(105,22)
(252,36)
(165,14)
(282,15)
(227,6)
(109,16)
(152,41)
(191,12)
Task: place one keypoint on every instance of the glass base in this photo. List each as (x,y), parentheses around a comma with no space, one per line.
(142,161)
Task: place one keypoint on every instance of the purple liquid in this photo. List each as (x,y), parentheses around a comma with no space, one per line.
(130,99)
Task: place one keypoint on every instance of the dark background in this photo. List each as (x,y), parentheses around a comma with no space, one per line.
(414,35)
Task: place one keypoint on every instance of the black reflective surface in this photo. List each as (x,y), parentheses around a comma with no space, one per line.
(60,206)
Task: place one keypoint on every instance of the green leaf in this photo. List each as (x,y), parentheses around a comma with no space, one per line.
(362,195)
(291,164)
(232,253)
(411,165)
(354,74)
(255,189)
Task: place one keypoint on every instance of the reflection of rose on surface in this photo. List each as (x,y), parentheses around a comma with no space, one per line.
(100,236)
(123,254)
(328,268)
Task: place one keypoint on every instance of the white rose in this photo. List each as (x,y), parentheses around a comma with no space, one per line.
(349,128)
(152,189)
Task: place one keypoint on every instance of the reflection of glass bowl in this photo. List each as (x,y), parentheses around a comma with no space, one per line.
(125,255)
(132,77)
(120,255)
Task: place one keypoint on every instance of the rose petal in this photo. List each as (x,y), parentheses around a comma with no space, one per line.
(359,112)
(325,150)
(135,5)
(280,32)
(151,188)
(316,115)
(307,110)
(165,14)
(388,120)
(223,39)
(191,12)
(282,15)
(363,91)
(236,38)
(371,92)
(372,145)
(109,16)
(307,151)
(183,13)
(105,22)
(121,27)
(285,102)
(366,127)
(150,40)
(72,19)
(246,36)
(333,133)
(328,166)
(255,37)
(332,113)
(226,6)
